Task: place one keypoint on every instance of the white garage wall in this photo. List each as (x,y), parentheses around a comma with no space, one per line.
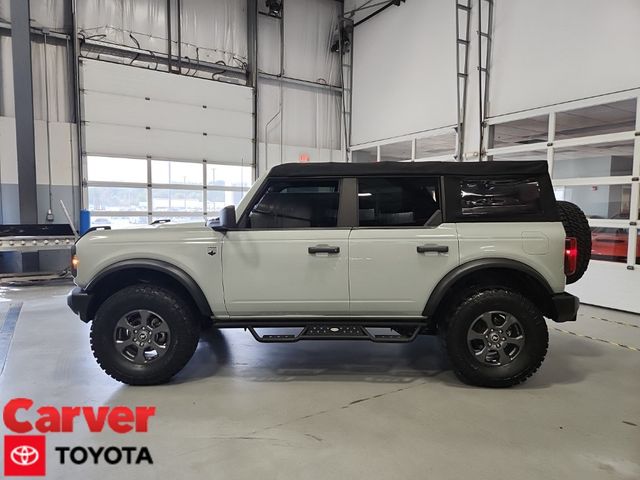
(592,288)
(58,77)
(165,116)
(404,72)
(47,13)
(544,52)
(550,51)
(299,122)
(549,58)
(310,125)
(217,28)
(61,150)
(190,139)
(213,31)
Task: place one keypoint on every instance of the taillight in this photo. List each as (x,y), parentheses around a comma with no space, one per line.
(570,256)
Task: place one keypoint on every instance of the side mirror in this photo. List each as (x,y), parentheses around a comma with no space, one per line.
(227,219)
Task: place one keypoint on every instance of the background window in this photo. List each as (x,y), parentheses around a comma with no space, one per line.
(218,199)
(366,155)
(117,222)
(304,204)
(598,201)
(228,176)
(500,198)
(609,244)
(598,160)
(397,202)
(436,146)
(165,200)
(181,218)
(179,173)
(518,156)
(395,152)
(184,191)
(519,132)
(597,120)
(112,169)
(118,199)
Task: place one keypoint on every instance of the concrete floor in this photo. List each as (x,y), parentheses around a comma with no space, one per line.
(244,410)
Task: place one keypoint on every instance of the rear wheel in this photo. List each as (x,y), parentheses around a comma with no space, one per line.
(576,225)
(144,335)
(496,338)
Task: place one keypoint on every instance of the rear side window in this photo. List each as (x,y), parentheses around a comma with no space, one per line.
(498,198)
(398,202)
(297,204)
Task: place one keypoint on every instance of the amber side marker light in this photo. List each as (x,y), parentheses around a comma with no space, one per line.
(570,255)
(74,261)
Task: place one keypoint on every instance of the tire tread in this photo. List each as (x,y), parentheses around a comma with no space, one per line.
(479,295)
(182,352)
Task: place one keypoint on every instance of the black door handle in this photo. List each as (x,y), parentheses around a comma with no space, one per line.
(323,249)
(432,248)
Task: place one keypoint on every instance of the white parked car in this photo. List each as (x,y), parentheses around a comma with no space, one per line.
(478,253)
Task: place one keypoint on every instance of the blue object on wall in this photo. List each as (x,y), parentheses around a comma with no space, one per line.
(85,221)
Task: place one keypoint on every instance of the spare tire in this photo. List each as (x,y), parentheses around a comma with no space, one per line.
(576,225)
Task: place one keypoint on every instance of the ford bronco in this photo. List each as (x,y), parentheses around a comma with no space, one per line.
(478,253)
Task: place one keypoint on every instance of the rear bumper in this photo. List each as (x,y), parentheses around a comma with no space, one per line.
(566,307)
(78,301)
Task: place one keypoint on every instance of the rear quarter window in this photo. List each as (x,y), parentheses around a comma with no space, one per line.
(502,199)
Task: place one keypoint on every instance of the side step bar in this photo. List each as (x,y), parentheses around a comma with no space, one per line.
(338,332)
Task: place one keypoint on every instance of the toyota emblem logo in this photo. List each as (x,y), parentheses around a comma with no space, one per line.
(24,455)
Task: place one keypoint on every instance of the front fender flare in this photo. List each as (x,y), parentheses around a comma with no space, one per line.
(176,273)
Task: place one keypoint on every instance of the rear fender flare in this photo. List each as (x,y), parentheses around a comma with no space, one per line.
(457,274)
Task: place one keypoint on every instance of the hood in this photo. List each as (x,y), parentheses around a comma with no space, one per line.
(161,232)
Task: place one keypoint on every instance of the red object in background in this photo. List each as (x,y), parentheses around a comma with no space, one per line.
(24,456)
(570,256)
(304,158)
(611,246)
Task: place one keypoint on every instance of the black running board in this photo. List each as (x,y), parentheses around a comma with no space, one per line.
(338,332)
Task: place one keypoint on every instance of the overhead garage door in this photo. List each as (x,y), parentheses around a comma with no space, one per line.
(159,145)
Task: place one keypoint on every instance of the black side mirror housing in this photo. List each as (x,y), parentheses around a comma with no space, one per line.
(227,219)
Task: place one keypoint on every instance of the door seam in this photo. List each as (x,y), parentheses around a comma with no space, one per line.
(349,269)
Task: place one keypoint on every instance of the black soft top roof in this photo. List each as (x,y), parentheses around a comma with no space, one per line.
(463,169)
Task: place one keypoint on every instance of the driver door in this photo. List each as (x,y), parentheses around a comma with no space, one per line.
(290,254)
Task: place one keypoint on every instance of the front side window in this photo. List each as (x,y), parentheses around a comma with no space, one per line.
(398,202)
(297,204)
(506,197)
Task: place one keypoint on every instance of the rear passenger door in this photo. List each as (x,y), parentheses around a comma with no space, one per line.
(401,248)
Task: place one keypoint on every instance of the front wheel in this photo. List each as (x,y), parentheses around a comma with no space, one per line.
(144,335)
(496,338)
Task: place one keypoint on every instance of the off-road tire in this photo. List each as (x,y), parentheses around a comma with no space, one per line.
(576,225)
(474,372)
(183,323)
